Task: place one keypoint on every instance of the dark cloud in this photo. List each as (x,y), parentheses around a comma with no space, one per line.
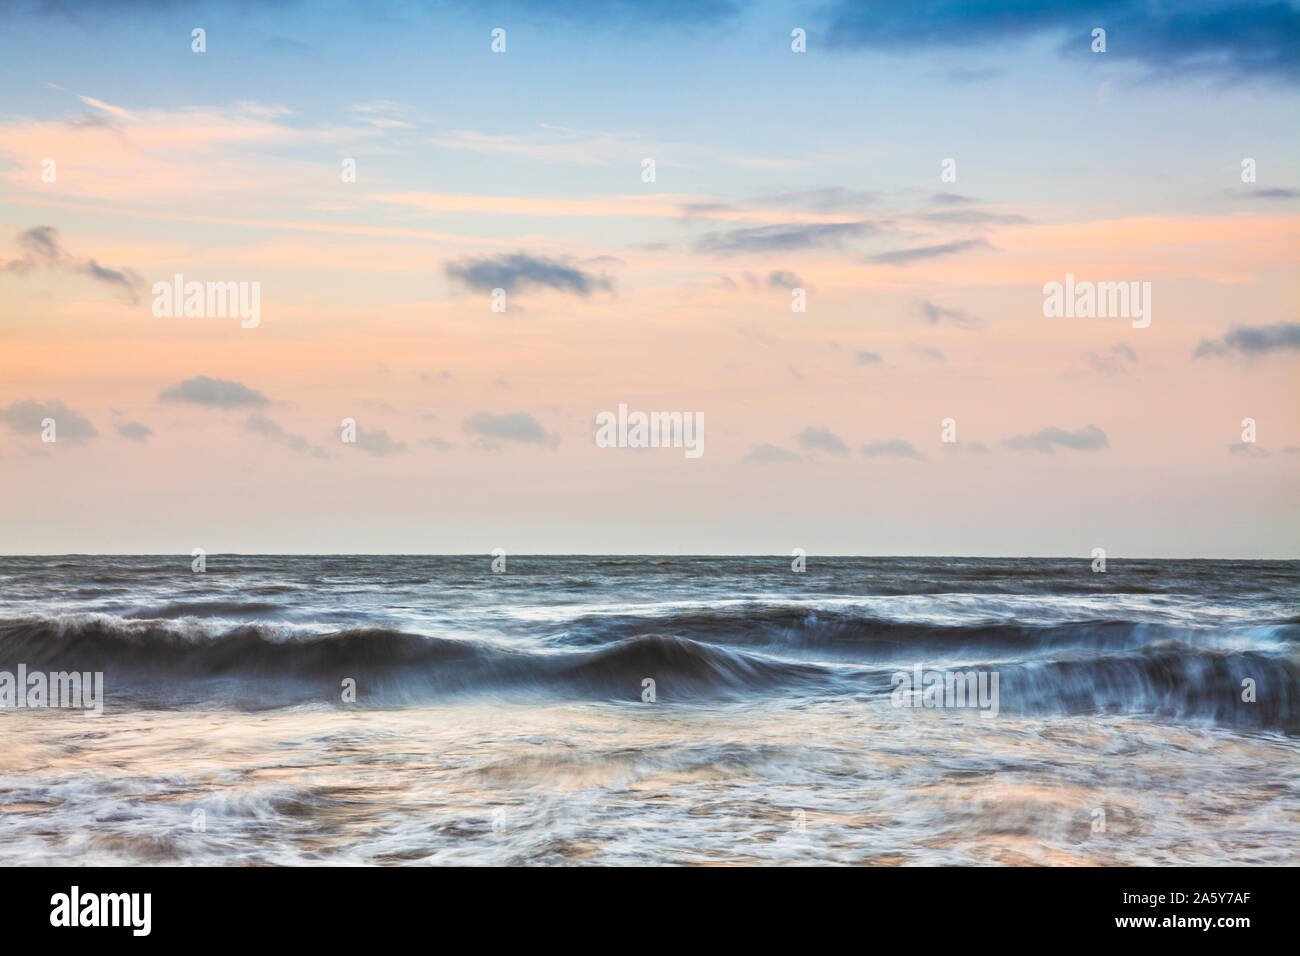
(1218,39)
(520,270)
(821,439)
(1088,438)
(43,250)
(783,280)
(676,15)
(766,454)
(134,431)
(786,237)
(896,447)
(214,393)
(490,430)
(901,257)
(69,425)
(1252,340)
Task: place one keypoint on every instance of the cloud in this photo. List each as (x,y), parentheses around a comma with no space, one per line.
(766,454)
(867,358)
(929,353)
(376,441)
(975,217)
(825,200)
(896,447)
(1112,363)
(1252,340)
(42,250)
(935,314)
(950,199)
(1248,449)
(214,393)
(91,121)
(1088,438)
(490,430)
(1223,39)
(783,280)
(436,443)
(973,76)
(69,425)
(134,431)
(520,270)
(618,14)
(784,237)
(821,439)
(273,431)
(1273,193)
(901,257)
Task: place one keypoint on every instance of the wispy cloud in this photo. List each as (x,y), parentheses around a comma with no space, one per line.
(785,237)
(272,431)
(901,257)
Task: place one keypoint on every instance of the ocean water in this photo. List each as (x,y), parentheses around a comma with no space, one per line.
(653,710)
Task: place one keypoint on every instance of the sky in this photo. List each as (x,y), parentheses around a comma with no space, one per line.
(915,178)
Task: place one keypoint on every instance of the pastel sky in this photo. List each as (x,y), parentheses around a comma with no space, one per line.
(774,171)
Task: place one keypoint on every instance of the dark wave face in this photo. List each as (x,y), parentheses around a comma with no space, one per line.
(1202,642)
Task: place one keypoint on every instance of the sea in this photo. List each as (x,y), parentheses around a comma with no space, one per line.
(648,710)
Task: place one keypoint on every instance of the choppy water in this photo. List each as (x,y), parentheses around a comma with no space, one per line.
(501,718)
